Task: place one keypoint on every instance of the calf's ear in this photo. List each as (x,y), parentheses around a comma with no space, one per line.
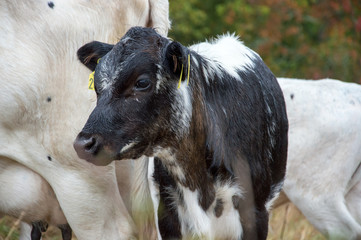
(90,53)
(176,59)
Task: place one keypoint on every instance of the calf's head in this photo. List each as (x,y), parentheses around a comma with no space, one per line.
(137,96)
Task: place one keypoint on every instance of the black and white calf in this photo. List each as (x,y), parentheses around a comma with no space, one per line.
(219,141)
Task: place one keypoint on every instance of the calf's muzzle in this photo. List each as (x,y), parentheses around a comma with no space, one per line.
(90,147)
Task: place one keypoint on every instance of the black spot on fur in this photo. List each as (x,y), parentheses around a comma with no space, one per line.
(49,158)
(218,209)
(292,96)
(48,99)
(51,5)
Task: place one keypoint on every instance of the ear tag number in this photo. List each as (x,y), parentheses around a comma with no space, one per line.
(91,81)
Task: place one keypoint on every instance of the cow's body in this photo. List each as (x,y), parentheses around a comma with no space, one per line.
(45,101)
(28,195)
(324,155)
(220,142)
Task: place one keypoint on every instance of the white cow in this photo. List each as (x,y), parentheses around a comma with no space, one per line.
(44,101)
(25,194)
(324,155)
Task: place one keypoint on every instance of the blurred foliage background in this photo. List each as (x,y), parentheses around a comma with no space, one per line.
(309,39)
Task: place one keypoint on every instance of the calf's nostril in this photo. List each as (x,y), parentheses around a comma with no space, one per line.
(89,144)
(86,147)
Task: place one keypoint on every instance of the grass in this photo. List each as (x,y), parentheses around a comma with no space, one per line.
(287,223)
(10,230)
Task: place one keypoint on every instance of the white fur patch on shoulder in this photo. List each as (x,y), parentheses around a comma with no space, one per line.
(229,52)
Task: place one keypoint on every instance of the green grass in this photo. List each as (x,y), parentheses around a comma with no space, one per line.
(7,225)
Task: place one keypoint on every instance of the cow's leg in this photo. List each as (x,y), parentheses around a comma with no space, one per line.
(353,197)
(330,215)
(92,204)
(262,224)
(25,231)
(66,231)
(351,229)
(353,201)
(317,181)
(142,205)
(324,203)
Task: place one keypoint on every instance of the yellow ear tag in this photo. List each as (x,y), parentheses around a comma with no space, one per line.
(180,77)
(91,79)
(189,67)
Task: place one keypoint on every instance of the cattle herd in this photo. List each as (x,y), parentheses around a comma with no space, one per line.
(174,142)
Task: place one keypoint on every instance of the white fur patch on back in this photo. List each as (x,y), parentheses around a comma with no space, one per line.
(226,52)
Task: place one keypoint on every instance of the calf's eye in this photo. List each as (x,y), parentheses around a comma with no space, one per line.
(142,84)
